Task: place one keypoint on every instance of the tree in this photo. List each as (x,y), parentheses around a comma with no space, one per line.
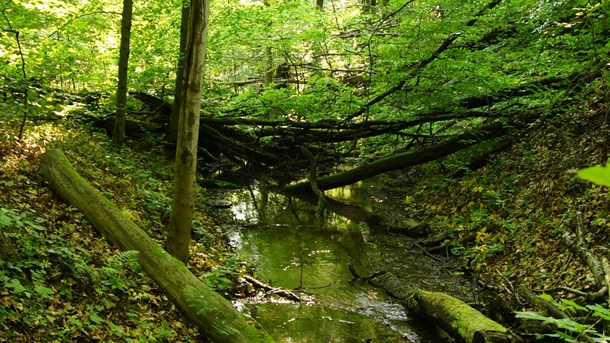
(179,231)
(172,134)
(24,75)
(213,315)
(118,135)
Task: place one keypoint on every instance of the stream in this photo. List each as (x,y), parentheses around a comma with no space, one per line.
(291,246)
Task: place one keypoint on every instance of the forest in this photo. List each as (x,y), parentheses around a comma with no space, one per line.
(305,171)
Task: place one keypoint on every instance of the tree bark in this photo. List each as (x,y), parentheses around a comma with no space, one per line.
(172,135)
(118,134)
(180,224)
(402,160)
(211,313)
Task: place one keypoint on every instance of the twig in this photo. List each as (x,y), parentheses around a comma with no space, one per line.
(427,253)
(579,248)
(562,288)
(364,279)
(274,290)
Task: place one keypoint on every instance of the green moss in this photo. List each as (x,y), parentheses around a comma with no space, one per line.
(254,333)
(463,318)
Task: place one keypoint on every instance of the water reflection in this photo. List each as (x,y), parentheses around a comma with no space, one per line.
(293,245)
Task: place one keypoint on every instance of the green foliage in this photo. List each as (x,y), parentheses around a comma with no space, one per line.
(118,273)
(568,329)
(597,174)
(222,278)
(50,282)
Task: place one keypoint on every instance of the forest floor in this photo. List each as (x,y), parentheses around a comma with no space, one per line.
(505,221)
(63,281)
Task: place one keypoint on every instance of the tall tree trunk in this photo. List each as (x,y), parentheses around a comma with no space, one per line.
(179,231)
(172,135)
(268,75)
(118,135)
(23,73)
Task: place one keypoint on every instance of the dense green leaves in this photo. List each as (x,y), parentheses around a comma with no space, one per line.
(73,45)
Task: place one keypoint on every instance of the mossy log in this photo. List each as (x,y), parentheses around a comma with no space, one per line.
(215,317)
(461,321)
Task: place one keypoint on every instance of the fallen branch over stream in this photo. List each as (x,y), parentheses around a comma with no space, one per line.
(215,317)
(282,292)
(402,160)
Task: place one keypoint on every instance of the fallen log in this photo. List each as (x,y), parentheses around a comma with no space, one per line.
(458,319)
(215,317)
(402,160)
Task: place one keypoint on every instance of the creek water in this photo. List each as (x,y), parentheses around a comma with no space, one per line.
(294,246)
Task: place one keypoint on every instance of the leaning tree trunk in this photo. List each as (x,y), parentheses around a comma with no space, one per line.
(215,317)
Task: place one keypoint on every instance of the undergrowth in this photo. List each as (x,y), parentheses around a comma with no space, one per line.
(61,280)
(505,220)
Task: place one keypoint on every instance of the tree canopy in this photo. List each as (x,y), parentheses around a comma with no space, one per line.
(428,69)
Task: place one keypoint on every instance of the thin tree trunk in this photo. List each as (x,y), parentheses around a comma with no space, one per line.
(179,231)
(23,73)
(215,317)
(268,77)
(172,135)
(118,134)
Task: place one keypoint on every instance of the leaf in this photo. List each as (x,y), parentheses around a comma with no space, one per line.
(548,298)
(597,174)
(5,221)
(532,315)
(44,291)
(600,311)
(95,318)
(15,285)
(573,305)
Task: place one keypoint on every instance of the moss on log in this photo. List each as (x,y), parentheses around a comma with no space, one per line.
(460,320)
(211,313)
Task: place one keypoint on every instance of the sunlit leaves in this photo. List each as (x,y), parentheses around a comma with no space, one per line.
(597,174)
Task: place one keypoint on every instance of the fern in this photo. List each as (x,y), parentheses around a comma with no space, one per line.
(124,259)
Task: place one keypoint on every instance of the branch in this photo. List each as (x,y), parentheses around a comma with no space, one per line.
(415,68)
(23,72)
(274,290)
(579,248)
